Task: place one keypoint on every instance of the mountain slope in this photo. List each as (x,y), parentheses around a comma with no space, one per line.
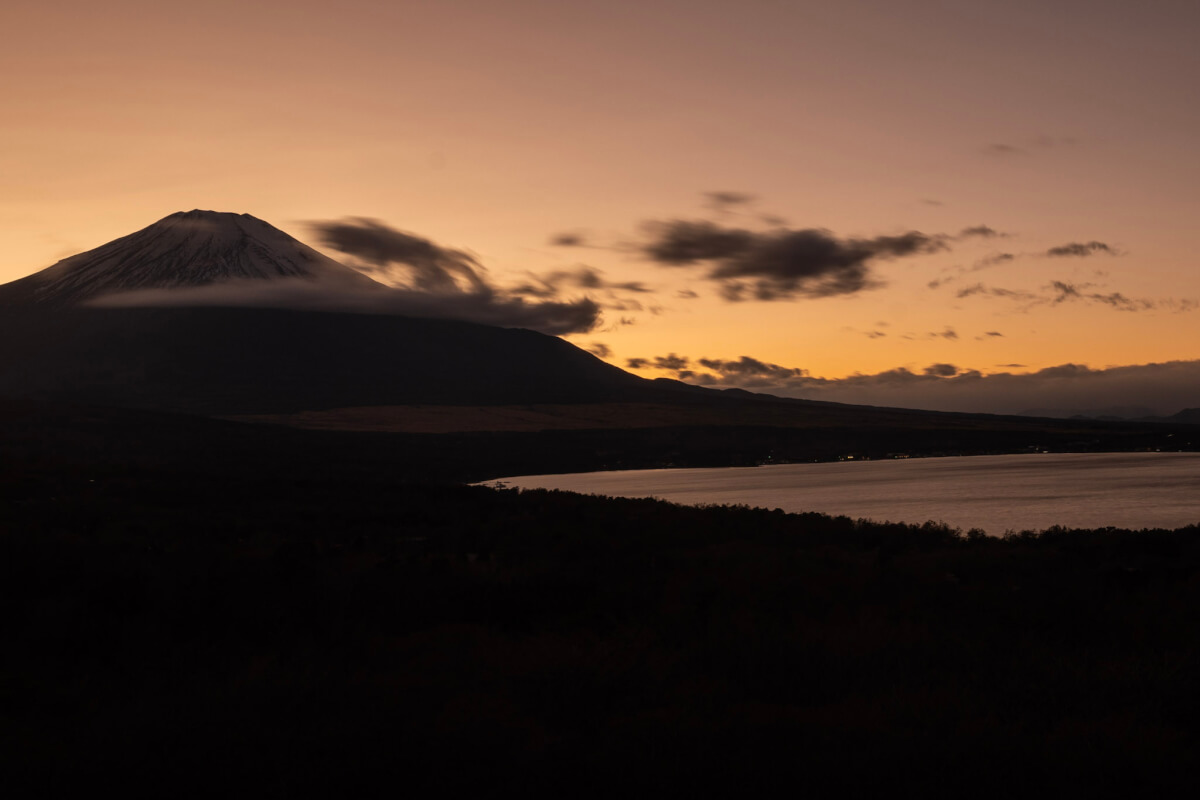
(186,249)
(248,360)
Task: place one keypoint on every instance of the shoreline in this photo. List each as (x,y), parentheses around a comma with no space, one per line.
(1092,490)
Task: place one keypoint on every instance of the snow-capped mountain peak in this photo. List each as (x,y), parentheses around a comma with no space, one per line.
(186,249)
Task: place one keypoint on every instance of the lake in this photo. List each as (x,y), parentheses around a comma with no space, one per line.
(995,493)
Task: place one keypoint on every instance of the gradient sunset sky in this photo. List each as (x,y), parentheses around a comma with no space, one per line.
(862,201)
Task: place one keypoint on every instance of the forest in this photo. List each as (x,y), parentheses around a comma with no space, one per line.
(187,613)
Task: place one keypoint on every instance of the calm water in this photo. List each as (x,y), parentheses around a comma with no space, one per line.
(996,493)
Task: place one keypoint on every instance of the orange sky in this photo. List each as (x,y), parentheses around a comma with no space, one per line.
(491,126)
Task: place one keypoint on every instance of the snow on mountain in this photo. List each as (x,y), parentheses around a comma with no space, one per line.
(185,250)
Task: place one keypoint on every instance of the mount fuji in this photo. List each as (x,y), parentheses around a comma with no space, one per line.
(184,250)
(158,319)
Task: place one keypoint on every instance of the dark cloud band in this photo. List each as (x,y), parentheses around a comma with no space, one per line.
(1163,388)
(1081,250)
(780,264)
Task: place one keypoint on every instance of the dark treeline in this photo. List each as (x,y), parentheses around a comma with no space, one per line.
(56,437)
(181,617)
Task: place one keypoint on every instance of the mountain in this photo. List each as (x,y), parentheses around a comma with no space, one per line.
(250,360)
(57,344)
(1106,412)
(1188,416)
(187,249)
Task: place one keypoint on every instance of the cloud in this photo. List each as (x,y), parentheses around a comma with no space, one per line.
(1062,389)
(686,242)
(568,240)
(780,264)
(996,291)
(420,279)
(599,349)
(553,318)
(1043,142)
(987,262)
(671,362)
(668,363)
(1062,292)
(1081,250)
(429,267)
(751,367)
(991,261)
(724,202)
(981,231)
(551,284)
(1071,292)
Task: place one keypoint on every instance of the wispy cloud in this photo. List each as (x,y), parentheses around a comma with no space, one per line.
(1081,250)
(1028,146)
(402,258)
(982,232)
(428,279)
(555,318)
(572,239)
(1058,292)
(722,202)
(553,283)
(777,262)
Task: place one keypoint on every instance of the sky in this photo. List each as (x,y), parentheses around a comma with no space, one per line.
(956,205)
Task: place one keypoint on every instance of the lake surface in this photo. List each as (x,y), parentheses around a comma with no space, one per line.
(995,493)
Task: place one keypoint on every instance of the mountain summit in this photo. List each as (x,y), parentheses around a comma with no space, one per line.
(187,249)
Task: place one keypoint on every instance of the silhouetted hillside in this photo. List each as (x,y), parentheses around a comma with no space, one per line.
(201,625)
(242,360)
(38,435)
(1188,416)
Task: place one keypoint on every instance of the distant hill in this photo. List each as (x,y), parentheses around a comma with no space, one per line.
(1107,412)
(1189,416)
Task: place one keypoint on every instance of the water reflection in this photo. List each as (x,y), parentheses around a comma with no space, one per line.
(995,493)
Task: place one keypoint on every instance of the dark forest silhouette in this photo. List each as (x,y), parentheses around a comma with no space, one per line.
(193,605)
